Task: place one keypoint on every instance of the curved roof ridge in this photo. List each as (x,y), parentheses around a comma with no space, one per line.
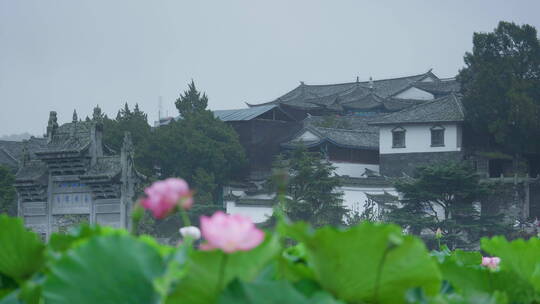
(367,81)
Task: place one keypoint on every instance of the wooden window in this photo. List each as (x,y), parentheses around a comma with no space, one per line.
(437,136)
(398,137)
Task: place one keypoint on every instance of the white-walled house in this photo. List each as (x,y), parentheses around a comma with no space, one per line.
(419,135)
(395,125)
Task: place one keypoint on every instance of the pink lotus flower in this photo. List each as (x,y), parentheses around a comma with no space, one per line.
(164,196)
(230,233)
(491,263)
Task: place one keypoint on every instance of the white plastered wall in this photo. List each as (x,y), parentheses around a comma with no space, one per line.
(257,214)
(427,79)
(415,93)
(418,139)
(354,198)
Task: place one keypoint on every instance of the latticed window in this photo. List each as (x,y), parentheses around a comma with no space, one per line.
(398,137)
(437,136)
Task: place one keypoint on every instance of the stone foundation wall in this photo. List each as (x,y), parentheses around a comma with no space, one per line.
(394,165)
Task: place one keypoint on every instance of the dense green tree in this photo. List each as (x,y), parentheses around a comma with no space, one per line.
(7,190)
(199,148)
(501,89)
(191,101)
(311,192)
(135,122)
(442,196)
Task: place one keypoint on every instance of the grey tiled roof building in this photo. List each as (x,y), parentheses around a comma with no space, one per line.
(373,95)
(69,176)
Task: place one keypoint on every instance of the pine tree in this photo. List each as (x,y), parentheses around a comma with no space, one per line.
(312,189)
(442,196)
(199,147)
(138,113)
(136,123)
(125,113)
(191,101)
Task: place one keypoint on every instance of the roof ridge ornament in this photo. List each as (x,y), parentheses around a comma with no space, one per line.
(75,117)
(97,115)
(371,83)
(52,125)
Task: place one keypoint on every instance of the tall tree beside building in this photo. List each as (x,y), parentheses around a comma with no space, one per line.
(501,88)
(199,147)
(7,191)
(312,193)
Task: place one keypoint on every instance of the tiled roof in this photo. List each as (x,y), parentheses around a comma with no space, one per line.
(72,137)
(351,122)
(360,95)
(33,170)
(11,152)
(340,137)
(7,160)
(444,109)
(15,148)
(365,102)
(242,114)
(229,115)
(445,86)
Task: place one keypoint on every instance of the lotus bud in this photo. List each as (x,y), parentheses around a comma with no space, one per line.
(438,233)
(191,232)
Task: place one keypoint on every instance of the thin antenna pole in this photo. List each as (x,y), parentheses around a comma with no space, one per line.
(160,107)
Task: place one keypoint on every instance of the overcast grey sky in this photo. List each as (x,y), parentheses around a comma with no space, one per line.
(65,55)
